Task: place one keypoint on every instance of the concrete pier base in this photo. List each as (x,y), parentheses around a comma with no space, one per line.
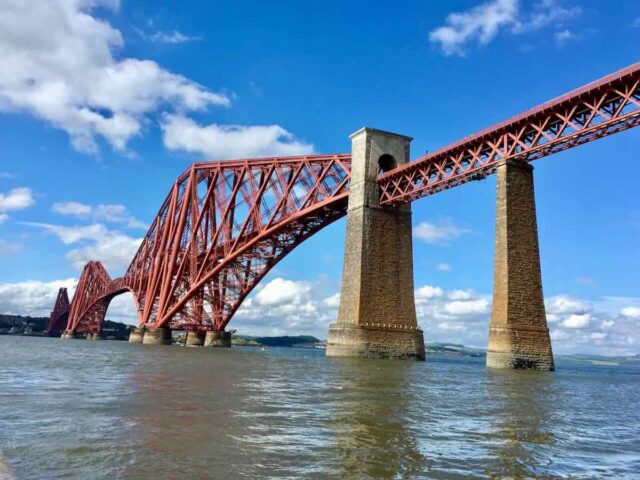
(136,335)
(157,336)
(377,315)
(518,335)
(194,339)
(89,336)
(67,335)
(218,339)
(97,336)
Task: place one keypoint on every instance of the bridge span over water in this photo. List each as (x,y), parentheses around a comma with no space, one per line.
(225,224)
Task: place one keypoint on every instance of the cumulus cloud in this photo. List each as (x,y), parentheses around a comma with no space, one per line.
(16,199)
(440,233)
(95,242)
(32,297)
(217,142)
(111,213)
(484,22)
(631,312)
(35,298)
(60,64)
(577,321)
(287,307)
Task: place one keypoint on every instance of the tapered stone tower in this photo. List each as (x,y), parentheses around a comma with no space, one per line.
(377,316)
(518,336)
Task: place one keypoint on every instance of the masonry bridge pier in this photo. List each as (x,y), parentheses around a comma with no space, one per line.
(225,225)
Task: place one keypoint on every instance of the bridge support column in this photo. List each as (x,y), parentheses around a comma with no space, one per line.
(518,335)
(377,316)
(157,336)
(66,335)
(217,339)
(97,336)
(136,335)
(194,339)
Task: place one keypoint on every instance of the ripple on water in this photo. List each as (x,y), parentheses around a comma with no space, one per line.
(105,410)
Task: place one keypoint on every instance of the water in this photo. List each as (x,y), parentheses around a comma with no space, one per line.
(107,410)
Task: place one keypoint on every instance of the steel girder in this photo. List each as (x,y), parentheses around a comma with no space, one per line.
(602,108)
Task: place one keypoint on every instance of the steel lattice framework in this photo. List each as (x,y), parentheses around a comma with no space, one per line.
(60,313)
(93,294)
(224,225)
(602,108)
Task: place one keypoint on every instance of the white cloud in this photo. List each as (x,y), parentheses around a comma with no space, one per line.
(631,312)
(607,324)
(565,304)
(218,142)
(577,321)
(32,297)
(438,233)
(173,38)
(6,175)
(563,36)
(468,307)
(483,22)
(112,213)
(280,291)
(7,248)
(16,199)
(60,64)
(598,336)
(96,242)
(427,292)
(444,267)
(3,218)
(75,209)
(287,307)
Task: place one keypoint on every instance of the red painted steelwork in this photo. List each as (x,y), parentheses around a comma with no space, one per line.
(601,108)
(94,292)
(224,225)
(60,314)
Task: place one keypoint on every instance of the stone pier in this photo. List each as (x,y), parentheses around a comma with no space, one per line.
(157,336)
(136,335)
(377,315)
(217,339)
(518,335)
(194,339)
(66,335)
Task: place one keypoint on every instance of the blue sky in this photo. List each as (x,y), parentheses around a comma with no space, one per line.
(103,103)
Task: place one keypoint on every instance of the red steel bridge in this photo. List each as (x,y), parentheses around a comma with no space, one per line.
(225,224)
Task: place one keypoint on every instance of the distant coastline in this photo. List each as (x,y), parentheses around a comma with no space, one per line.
(35,327)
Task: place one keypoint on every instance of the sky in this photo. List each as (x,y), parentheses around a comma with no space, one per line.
(104,102)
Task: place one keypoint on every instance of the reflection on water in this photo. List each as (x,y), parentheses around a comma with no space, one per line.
(523,405)
(107,410)
(371,420)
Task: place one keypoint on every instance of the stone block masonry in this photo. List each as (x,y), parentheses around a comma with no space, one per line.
(518,335)
(377,315)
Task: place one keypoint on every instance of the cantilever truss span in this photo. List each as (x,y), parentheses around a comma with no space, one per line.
(224,225)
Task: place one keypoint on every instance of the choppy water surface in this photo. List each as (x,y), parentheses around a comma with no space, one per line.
(105,410)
